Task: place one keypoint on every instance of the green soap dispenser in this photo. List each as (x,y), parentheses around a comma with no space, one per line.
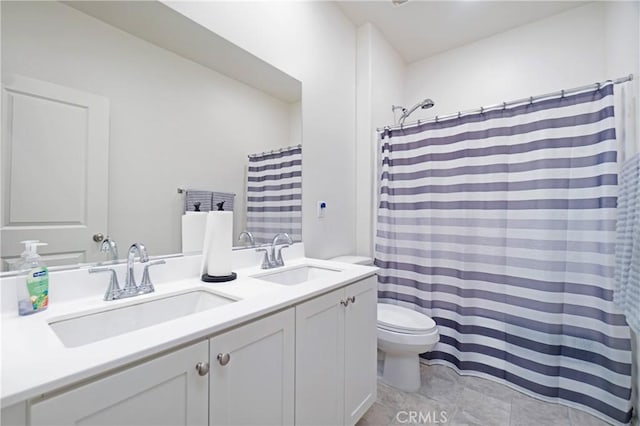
(33,280)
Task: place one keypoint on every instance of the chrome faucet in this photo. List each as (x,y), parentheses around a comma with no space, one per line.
(249,236)
(130,287)
(273,254)
(109,245)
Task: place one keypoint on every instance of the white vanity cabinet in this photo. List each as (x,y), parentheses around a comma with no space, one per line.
(252,373)
(314,362)
(165,390)
(336,355)
(241,377)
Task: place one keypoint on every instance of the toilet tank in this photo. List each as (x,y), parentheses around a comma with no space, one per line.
(358,260)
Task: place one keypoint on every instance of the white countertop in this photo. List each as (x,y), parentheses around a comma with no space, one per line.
(35,361)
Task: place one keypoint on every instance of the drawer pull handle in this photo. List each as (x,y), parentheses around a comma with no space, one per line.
(351,299)
(344,302)
(202,368)
(223,359)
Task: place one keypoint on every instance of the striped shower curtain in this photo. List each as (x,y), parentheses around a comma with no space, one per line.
(274,194)
(501,227)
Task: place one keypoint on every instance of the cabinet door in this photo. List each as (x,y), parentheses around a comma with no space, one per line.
(320,360)
(360,349)
(164,391)
(255,386)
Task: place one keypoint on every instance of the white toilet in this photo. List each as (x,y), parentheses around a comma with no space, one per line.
(403,334)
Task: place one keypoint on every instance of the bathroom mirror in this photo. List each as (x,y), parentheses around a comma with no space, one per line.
(142,101)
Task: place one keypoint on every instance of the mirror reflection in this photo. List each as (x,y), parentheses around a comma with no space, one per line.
(101,128)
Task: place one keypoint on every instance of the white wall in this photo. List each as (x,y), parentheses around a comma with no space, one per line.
(380,82)
(174,123)
(315,43)
(570,49)
(295,123)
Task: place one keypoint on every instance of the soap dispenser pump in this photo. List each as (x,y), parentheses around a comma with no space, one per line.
(33,281)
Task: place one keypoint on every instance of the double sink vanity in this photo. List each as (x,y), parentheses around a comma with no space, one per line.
(290,345)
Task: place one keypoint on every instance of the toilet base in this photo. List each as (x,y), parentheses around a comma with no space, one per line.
(402,371)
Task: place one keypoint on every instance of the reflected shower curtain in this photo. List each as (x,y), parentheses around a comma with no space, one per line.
(274,194)
(501,227)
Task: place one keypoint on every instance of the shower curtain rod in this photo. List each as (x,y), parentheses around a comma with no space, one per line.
(503,105)
(275,151)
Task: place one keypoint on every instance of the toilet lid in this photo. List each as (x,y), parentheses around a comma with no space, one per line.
(398,318)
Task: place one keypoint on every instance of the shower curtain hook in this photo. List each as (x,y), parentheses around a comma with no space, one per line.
(459,114)
(562,94)
(530,100)
(436,118)
(598,86)
(504,106)
(481,110)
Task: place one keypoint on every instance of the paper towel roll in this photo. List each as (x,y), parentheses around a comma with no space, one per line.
(216,257)
(193,229)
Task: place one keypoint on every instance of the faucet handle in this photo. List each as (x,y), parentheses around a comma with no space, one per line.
(266,260)
(146,286)
(279,261)
(113,291)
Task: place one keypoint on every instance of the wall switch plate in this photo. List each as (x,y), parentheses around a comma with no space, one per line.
(322,209)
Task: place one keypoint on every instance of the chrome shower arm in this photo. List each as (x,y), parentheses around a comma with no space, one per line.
(425,104)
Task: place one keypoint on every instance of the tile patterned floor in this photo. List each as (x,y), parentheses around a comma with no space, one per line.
(467,400)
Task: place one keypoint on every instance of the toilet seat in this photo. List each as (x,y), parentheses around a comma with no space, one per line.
(399,319)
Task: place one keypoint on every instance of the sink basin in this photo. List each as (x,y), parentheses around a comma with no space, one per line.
(297,274)
(95,326)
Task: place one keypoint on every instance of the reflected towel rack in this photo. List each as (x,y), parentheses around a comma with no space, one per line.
(182,191)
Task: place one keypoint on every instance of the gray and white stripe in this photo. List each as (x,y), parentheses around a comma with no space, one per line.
(501,227)
(274,194)
(226,197)
(208,200)
(627,291)
(193,196)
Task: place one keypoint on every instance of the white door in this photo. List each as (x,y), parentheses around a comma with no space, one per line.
(320,360)
(55,150)
(164,391)
(360,356)
(252,373)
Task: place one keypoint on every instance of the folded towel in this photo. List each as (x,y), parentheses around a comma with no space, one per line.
(627,275)
(196,196)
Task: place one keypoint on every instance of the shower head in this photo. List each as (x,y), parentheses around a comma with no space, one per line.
(425,104)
